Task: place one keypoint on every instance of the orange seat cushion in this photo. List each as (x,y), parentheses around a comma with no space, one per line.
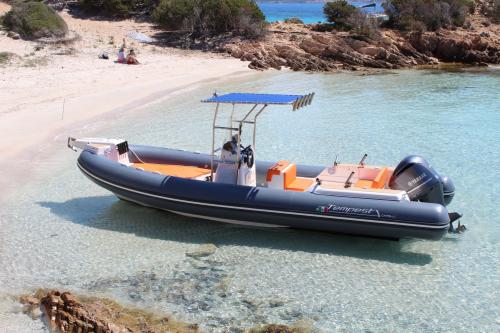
(276,169)
(378,182)
(381,179)
(290,175)
(364,183)
(183,171)
(300,184)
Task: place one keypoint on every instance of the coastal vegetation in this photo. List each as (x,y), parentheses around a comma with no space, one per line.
(294,20)
(117,8)
(339,12)
(199,18)
(341,15)
(33,20)
(211,17)
(427,14)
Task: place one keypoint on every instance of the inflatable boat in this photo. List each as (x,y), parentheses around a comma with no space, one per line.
(230,185)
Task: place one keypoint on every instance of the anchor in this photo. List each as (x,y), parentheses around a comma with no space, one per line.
(454,217)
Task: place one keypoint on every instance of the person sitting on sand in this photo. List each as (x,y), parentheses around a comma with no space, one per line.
(132,58)
(121,55)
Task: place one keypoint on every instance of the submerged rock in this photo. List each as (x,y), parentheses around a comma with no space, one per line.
(301,326)
(203,250)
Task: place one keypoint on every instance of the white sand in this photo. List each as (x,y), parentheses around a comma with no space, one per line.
(36,85)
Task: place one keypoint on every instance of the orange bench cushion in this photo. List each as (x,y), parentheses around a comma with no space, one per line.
(363,183)
(184,171)
(378,182)
(300,184)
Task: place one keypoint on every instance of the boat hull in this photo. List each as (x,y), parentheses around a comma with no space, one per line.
(261,205)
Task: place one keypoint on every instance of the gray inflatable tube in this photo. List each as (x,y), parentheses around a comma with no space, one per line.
(261,205)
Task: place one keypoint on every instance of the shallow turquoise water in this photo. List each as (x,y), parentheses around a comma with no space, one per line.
(63,231)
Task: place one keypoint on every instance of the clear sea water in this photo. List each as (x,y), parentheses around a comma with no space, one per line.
(309,12)
(59,230)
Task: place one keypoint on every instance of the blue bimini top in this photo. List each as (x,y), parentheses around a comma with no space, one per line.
(298,101)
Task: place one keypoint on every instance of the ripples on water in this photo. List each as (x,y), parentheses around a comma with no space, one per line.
(62,231)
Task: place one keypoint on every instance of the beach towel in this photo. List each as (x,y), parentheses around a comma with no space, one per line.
(140,37)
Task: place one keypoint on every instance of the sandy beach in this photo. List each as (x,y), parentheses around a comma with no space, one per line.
(46,90)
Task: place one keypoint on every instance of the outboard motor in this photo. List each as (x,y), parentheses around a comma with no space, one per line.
(422,183)
(448,189)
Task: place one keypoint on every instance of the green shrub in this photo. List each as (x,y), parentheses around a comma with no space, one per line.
(323,27)
(362,25)
(210,16)
(339,12)
(117,8)
(433,14)
(33,20)
(5,57)
(113,8)
(294,20)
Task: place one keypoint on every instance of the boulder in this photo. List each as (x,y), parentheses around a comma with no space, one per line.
(313,47)
(323,39)
(479,44)
(449,49)
(373,51)
(205,250)
(424,43)
(356,44)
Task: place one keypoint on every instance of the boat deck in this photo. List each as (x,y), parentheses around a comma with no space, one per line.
(332,179)
(183,171)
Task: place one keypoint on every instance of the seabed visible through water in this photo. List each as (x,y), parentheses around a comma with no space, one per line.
(62,231)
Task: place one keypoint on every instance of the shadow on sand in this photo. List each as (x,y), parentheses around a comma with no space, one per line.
(109,213)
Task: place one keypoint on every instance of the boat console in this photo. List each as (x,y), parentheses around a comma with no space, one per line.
(112,149)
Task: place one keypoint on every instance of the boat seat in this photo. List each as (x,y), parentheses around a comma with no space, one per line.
(377,183)
(294,183)
(285,177)
(183,171)
(277,169)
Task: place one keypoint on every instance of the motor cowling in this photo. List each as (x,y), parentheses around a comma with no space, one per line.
(448,189)
(422,183)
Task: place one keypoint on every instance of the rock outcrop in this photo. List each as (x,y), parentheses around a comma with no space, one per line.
(300,48)
(66,313)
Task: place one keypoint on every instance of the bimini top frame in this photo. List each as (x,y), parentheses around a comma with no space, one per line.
(256,100)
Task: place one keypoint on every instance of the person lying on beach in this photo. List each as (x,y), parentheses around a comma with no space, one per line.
(121,55)
(132,58)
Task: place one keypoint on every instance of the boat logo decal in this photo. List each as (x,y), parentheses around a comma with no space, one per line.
(417,180)
(333,208)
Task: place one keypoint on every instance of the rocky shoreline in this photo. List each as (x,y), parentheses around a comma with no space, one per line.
(300,48)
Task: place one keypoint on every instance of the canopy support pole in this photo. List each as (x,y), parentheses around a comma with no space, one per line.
(213,143)
(255,128)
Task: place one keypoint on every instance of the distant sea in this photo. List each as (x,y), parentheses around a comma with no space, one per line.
(309,12)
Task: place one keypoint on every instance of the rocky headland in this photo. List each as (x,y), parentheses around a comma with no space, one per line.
(301,48)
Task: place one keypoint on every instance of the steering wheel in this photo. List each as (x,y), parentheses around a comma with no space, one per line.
(248,156)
